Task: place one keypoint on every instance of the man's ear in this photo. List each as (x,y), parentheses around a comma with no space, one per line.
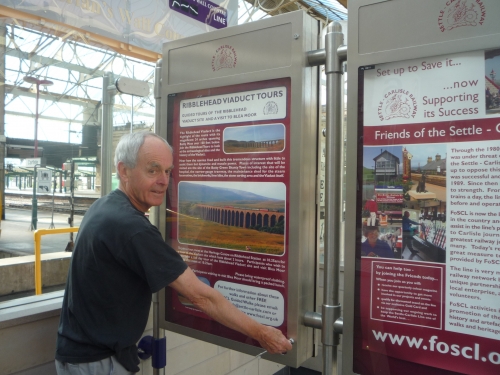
(122,171)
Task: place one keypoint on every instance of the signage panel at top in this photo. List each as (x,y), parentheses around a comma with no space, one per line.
(437,90)
(424,22)
(245,106)
(442,88)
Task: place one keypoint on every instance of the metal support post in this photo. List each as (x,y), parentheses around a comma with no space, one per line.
(157,94)
(158,220)
(3,145)
(70,246)
(329,320)
(333,197)
(108,94)
(159,360)
(52,226)
(34,203)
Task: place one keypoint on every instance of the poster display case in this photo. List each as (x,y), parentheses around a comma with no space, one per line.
(439,117)
(241,116)
(427,241)
(230,201)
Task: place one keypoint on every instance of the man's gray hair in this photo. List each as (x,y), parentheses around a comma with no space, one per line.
(128,147)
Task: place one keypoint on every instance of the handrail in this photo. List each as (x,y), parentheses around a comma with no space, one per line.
(37,235)
(330,321)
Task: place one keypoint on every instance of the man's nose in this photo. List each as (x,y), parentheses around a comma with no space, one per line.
(164,179)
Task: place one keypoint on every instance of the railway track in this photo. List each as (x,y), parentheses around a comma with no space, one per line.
(44,202)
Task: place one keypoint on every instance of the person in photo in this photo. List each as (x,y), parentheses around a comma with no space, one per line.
(372,207)
(373,246)
(408,233)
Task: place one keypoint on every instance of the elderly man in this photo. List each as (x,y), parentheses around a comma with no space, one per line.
(120,259)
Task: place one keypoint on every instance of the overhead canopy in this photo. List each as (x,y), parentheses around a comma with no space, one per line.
(325,10)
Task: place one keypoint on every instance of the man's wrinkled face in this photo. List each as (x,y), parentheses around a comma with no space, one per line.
(147,182)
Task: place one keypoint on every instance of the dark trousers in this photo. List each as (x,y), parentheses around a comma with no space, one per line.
(408,240)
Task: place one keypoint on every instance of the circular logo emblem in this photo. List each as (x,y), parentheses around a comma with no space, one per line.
(397,103)
(458,13)
(225,57)
(271,108)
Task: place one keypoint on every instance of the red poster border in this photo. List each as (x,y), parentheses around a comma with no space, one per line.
(370,356)
(174,311)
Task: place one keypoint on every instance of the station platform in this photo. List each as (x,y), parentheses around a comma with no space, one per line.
(17,238)
(29,191)
(17,252)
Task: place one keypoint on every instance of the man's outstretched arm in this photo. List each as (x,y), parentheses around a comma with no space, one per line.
(215,305)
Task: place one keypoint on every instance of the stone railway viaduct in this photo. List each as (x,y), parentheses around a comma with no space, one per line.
(253,144)
(239,217)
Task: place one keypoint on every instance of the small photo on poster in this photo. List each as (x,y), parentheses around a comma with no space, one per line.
(424,212)
(382,196)
(492,81)
(240,216)
(253,139)
(382,202)
(381,242)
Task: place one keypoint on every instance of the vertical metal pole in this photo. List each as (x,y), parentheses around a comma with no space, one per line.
(106,135)
(52,226)
(132,107)
(72,199)
(34,203)
(36,119)
(333,198)
(3,146)
(158,333)
(157,94)
(71,245)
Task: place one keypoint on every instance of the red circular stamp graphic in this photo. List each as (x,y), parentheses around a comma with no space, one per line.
(458,13)
(397,103)
(225,57)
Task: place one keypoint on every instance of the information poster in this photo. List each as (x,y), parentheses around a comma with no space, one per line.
(429,209)
(227,213)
